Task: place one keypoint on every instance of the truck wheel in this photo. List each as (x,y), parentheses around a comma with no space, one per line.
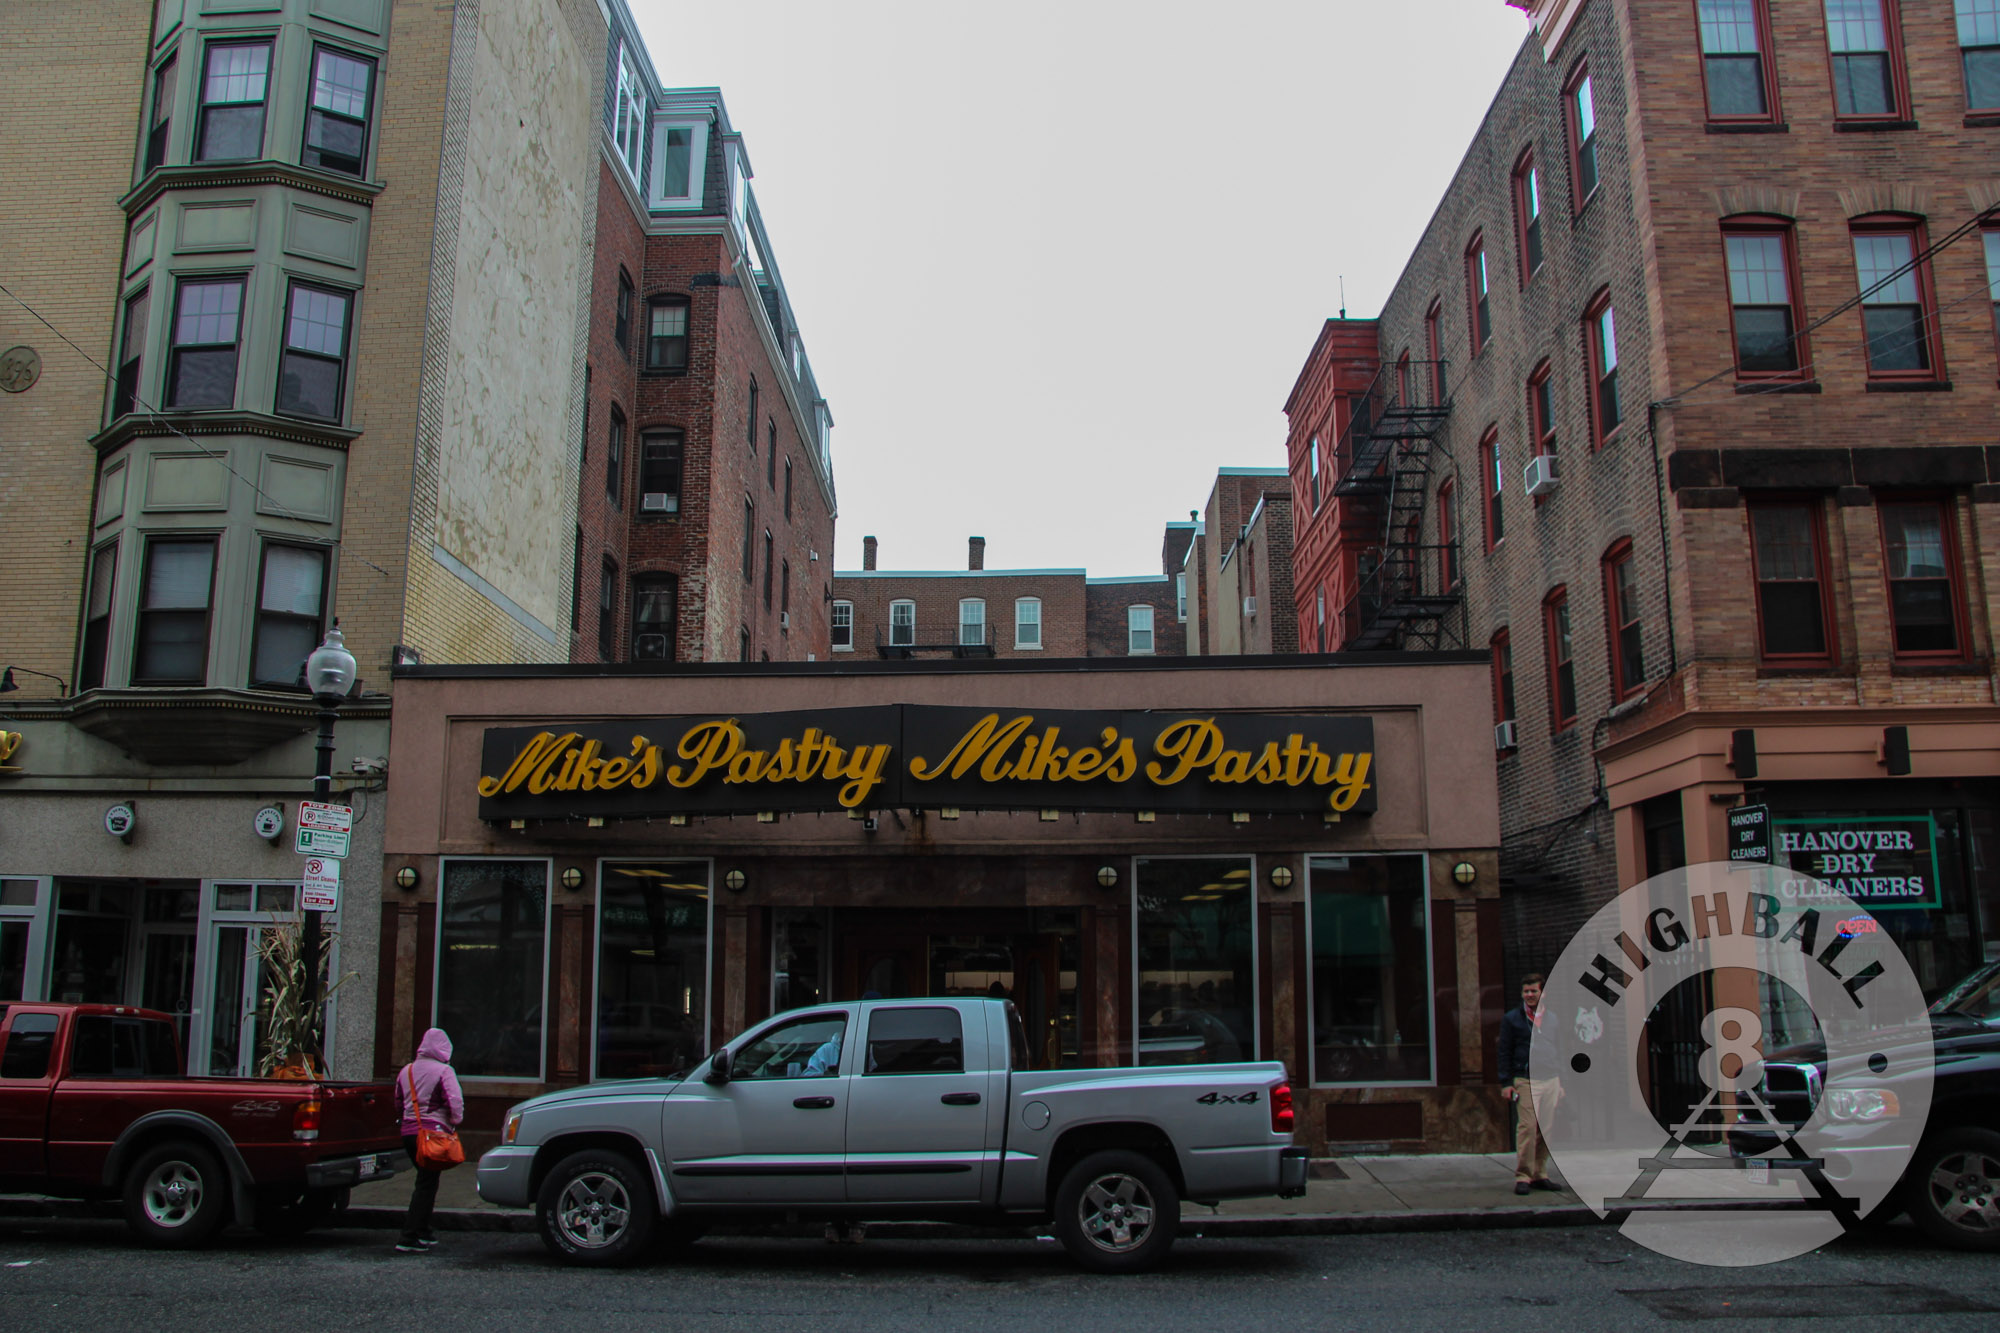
(1117,1212)
(285,1214)
(1953,1189)
(596,1208)
(176,1196)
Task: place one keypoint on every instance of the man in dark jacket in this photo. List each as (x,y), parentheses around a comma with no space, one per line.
(1534,1102)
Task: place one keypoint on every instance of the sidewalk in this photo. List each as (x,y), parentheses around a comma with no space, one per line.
(1346,1195)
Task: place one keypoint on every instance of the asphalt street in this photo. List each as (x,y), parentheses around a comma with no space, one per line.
(76,1275)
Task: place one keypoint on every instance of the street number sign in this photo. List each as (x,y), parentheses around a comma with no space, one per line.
(321,885)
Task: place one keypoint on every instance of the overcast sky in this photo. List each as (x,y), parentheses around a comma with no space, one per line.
(1056,263)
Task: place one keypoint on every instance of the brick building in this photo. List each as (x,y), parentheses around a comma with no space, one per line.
(981,612)
(1683,407)
(1242,566)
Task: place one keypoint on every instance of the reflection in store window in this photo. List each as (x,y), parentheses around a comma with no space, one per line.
(1371,1011)
(799,961)
(652,968)
(1197,979)
(492,931)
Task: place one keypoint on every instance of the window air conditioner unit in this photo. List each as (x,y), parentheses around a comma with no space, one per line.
(658,502)
(650,648)
(784,620)
(1503,736)
(1249,606)
(1539,477)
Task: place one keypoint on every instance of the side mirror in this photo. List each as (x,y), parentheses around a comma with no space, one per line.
(718,1068)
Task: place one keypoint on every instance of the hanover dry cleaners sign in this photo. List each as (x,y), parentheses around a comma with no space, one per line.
(913,755)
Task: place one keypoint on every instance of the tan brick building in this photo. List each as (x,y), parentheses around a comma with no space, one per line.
(1684,408)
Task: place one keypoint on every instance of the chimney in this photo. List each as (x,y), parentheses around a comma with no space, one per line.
(868,553)
(975,553)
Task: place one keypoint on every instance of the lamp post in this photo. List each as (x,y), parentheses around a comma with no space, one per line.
(330,675)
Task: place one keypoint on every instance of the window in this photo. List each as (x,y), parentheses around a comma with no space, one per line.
(1503,677)
(1924,605)
(607,612)
(1602,335)
(1313,469)
(842,625)
(1562,668)
(1371,986)
(788,490)
(652,967)
(1528,214)
(201,371)
(915,1041)
(680,150)
(1028,622)
(1403,385)
(1139,630)
(743,644)
(1979,45)
(1180,598)
(172,646)
(1447,530)
(902,624)
(621,327)
(1896,312)
(132,353)
(628,123)
(1580,106)
(1434,348)
(1621,615)
(971,621)
(97,617)
(1762,305)
(749,540)
(1195,936)
(492,966)
(1864,41)
(655,617)
(1992,239)
(771,461)
(1319,606)
(1733,41)
(807,1047)
(667,335)
(785,585)
(1788,554)
(337,120)
(770,551)
(165,83)
(291,610)
(1479,308)
(750,422)
(614,457)
(232,102)
(311,371)
(1496,486)
(660,454)
(1542,411)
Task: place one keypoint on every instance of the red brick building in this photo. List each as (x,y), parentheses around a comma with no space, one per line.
(705,516)
(1684,407)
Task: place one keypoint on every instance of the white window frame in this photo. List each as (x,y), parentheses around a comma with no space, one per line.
(1180,598)
(597,947)
(902,630)
(1430,976)
(40,916)
(657,196)
(1132,630)
(971,622)
(548,929)
(834,626)
(1028,624)
(629,115)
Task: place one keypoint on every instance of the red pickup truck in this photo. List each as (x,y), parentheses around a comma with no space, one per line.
(94,1105)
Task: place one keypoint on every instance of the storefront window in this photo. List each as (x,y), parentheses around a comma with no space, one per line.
(17,910)
(1371,993)
(1036,970)
(92,921)
(492,961)
(652,967)
(799,961)
(1196,949)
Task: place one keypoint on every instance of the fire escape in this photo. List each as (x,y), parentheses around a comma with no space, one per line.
(1408,594)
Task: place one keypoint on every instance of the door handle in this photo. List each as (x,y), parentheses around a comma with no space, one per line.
(960,1099)
(812,1103)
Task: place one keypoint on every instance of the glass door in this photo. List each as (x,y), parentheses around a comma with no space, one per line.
(227,1027)
(232,1009)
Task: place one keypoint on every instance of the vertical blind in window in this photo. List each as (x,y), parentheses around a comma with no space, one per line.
(173,614)
(289,607)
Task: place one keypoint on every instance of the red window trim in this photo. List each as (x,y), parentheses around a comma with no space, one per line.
(1578,196)
(1493,487)
(1434,344)
(1403,376)
(1815,513)
(1993,280)
(1523,165)
(1592,357)
(1899,76)
(1619,553)
(1888,224)
(1767,66)
(1499,646)
(1541,431)
(1449,574)
(1759,224)
(1954,571)
(1558,600)
(1475,257)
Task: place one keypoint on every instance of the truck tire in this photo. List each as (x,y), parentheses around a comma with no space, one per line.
(1953,1188)
(286,1214)
(176,1196)
(596,1209)
(1117,1212)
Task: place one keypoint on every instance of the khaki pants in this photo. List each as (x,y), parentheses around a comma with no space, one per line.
(1535,1106)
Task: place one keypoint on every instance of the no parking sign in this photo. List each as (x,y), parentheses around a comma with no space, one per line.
(320,888)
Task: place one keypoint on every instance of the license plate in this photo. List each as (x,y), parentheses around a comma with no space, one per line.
(1757,1171)
(371,1167)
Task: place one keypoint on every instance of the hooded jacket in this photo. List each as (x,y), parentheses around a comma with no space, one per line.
(437,1086)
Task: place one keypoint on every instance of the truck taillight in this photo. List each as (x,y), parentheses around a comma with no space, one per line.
(305,1120)
(1281,1109)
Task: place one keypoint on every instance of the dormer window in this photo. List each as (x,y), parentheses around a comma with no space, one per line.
(628,120)
(679,154)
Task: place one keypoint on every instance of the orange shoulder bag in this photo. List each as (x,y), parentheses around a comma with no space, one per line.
(437,1149)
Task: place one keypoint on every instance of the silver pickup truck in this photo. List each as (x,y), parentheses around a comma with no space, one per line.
(896,1109)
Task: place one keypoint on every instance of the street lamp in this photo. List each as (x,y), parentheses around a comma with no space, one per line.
(329,675)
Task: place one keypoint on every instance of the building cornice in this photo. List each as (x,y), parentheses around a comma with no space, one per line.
(208,175)
(188,424)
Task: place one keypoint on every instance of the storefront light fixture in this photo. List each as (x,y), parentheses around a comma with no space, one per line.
(1281,877)
(406,878)
(734,881)
(572,879)
(1464,873)
(1051,816)
(1239,817)
(1107,877)
(767,816)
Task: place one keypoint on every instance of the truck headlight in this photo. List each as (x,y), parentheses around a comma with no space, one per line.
(1862,1104)
(513,1128)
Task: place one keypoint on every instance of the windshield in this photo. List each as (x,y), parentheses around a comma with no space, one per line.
(1978,996)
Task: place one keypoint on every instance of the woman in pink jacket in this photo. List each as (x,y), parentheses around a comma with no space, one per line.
(443,1107)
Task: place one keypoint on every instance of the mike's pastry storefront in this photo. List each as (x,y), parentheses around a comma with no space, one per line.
(593,873)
